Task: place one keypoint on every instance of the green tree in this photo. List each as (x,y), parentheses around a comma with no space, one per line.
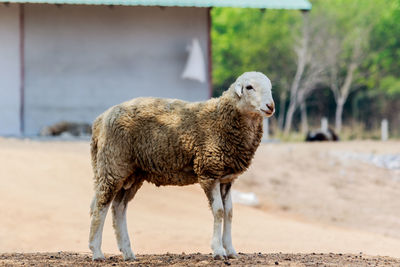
(349,24)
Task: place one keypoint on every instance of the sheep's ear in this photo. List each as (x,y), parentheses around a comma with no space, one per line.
(239,89)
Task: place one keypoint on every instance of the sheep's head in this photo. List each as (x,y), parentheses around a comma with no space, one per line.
(254,91)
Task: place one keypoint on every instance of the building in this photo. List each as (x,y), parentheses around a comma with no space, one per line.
(72,59)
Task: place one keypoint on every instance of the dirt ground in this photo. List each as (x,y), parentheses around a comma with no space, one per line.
(313,199)
(197,259)
(322,183)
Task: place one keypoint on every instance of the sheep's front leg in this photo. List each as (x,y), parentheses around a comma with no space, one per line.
(227,235)
(213,192)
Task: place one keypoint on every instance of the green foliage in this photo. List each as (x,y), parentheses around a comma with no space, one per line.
(390,85)
(383,64)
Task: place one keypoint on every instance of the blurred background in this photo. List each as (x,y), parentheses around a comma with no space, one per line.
(339,61)
(335,70)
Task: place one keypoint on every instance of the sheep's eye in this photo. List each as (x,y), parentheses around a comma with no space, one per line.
(249,87)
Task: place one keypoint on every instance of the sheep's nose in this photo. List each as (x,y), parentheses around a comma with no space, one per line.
(271,106)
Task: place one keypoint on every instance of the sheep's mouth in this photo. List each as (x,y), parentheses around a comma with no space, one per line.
(267,113)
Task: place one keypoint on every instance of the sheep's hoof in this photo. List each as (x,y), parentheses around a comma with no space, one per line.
(127,254)
(233,256)
(220,254)
(99,258)
(97,254)
(219,257)
(230,251)
(129,258)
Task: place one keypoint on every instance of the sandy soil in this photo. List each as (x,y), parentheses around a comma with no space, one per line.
(317,181)
(312,201)
(197,259)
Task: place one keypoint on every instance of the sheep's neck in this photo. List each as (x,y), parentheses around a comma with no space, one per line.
(240,126)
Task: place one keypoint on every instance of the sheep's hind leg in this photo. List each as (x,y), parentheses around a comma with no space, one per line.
(227,235)
(119,207)
(98,213)
(213,192)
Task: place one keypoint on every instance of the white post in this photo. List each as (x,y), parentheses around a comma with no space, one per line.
(265,129)
(324,124)
(384,130)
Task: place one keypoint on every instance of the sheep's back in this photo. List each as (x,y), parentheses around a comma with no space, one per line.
(157,134)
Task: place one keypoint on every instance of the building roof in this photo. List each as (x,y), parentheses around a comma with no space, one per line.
(271,4)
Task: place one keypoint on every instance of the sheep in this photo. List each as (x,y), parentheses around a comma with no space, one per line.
(173,142)
(322,135)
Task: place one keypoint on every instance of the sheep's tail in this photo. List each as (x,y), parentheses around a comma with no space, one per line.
(93,152)
(94,144)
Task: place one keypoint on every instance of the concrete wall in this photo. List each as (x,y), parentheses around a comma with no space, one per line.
(9,70)
(80,60)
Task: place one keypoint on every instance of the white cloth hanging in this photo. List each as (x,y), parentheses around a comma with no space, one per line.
(195,67)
